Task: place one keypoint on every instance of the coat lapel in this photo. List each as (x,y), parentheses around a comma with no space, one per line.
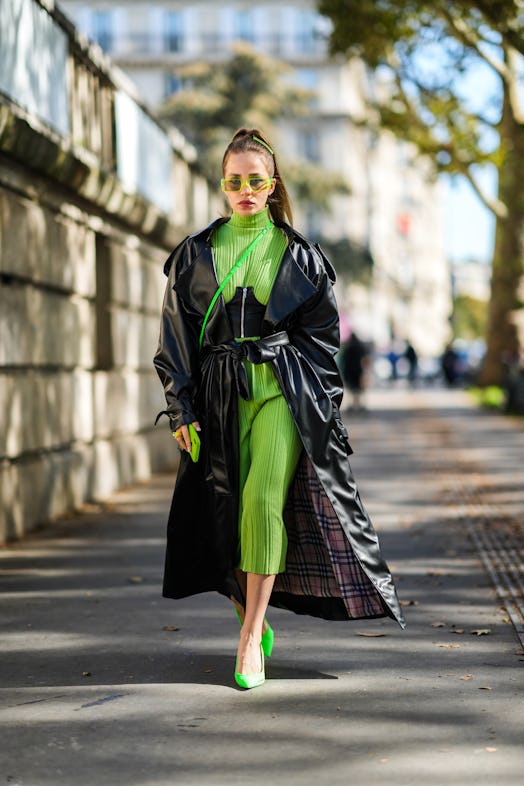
(197,284)
(291,289)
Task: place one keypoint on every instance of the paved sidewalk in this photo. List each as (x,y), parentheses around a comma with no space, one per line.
(104,683)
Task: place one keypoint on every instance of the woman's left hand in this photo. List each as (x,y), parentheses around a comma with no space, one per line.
(182,436)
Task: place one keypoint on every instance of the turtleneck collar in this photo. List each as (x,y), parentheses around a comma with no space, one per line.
(255,221)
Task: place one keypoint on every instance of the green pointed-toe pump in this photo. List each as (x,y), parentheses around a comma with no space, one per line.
(251,680)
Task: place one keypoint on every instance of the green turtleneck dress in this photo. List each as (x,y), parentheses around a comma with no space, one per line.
(270,445)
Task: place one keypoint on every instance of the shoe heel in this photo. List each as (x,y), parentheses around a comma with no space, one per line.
(268,639)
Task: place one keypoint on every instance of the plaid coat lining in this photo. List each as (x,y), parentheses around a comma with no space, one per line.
(320,560)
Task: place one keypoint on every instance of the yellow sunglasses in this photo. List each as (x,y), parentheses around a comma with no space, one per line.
(254,183)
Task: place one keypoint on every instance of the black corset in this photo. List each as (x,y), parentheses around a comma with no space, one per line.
(245,313)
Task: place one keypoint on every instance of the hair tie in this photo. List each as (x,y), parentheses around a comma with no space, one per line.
(264,144)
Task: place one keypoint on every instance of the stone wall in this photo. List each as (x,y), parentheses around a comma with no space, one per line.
(81,286)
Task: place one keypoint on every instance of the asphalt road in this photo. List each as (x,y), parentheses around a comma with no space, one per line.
(104,683)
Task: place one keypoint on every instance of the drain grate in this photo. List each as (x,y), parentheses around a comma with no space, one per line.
(502,556)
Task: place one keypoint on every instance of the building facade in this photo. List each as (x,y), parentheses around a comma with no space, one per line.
(393,209)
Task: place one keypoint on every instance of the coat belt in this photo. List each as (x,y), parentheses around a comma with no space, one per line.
(223,378)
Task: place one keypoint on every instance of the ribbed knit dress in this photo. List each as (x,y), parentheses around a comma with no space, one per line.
(270,445)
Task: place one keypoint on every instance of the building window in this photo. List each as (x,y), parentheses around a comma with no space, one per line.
(244,27)
(172,84)
(309,145)
(305,32)
(308,78)
(102,29)
(173,31)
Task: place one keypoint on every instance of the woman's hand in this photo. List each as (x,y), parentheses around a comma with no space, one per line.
(182,436)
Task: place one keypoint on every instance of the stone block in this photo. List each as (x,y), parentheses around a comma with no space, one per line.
(135,338)
(41,410)
(49,485)
(44,328)
(45,247)
(125,401)
(137,277)
(40,489)
(130,459)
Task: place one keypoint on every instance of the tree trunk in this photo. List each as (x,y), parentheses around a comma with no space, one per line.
(503,343)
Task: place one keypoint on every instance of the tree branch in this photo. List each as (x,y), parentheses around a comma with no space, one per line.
(495,205)
(428,93)
(508,25)
(469,39)
(433,146)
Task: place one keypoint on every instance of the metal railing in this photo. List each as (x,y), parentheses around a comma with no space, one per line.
(283,46)
(51,73)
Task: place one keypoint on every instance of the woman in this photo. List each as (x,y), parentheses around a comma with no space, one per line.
(269,514)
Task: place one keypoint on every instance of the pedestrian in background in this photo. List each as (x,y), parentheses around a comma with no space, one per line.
(411,356)
(269,512)
(449,364)
(393,358)
(354,364)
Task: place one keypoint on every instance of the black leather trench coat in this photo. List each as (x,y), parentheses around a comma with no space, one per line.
(334,567)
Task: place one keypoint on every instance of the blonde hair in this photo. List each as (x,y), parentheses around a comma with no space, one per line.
(251,139)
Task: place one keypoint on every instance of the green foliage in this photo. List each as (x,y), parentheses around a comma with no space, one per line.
(351,261)
(248,90)
(314,184)
(491,397)
(418,50)
(469,317)
(421,47)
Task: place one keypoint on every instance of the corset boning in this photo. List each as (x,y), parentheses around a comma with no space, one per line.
(245,313)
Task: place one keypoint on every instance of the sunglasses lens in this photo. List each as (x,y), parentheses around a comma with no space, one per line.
(232,184)
(255,183)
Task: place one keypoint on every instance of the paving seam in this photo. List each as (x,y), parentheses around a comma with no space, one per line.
(492,559)
(500,556)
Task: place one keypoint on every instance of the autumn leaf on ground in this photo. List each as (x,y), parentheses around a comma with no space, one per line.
(457,630)
(409,602)
(447,646)
(485,687)
(466,677)
(438,624)
(135,579)
(481,632)
(170,627)
(371,635)
(491,750)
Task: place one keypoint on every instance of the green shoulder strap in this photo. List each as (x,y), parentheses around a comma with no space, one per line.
(237,264)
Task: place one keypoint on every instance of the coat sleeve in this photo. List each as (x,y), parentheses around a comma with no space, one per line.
(316,335)
(176,358)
